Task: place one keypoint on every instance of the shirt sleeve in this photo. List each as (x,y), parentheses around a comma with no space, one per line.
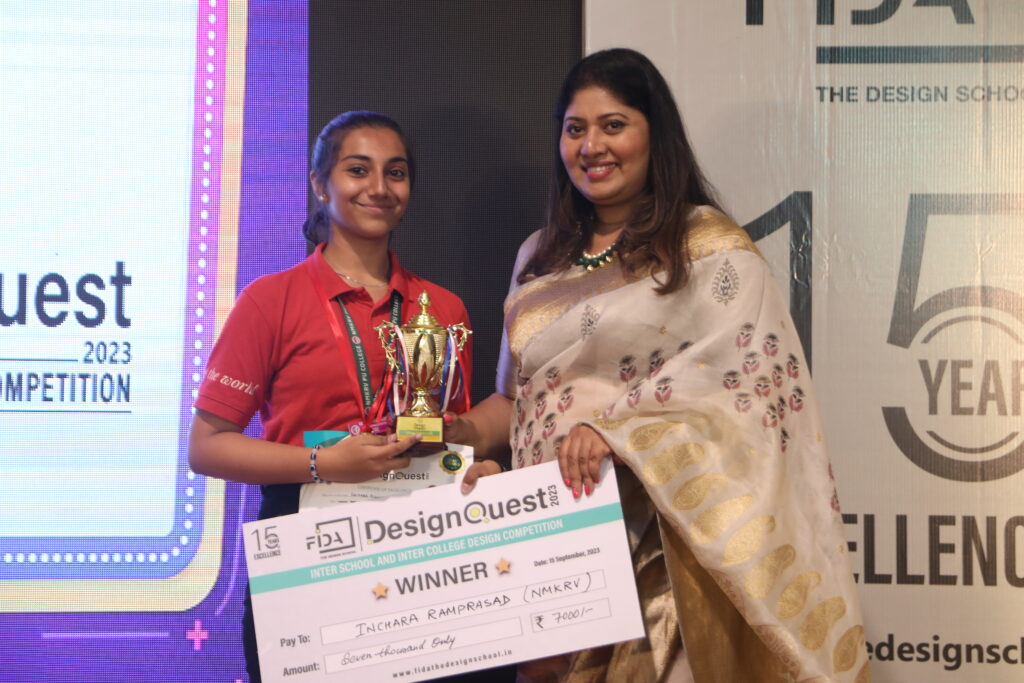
(240,366)
(505,383)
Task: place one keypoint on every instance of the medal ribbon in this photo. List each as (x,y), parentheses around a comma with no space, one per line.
(453,382)
(401,390)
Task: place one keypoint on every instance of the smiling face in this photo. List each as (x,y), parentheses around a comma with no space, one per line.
(368,188)
(605,146)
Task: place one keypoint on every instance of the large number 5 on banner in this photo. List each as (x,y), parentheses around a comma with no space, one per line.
(1000,454)
(794,210)
(906,320)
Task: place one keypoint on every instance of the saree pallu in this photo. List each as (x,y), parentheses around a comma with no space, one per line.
(730,505)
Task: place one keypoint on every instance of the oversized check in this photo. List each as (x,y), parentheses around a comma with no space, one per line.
(437,582)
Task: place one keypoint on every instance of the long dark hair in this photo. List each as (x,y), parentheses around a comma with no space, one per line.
(317,227)
(654,238)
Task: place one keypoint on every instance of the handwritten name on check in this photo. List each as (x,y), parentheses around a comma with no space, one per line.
(437,582)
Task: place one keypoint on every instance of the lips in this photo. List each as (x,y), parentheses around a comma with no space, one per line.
(376,208)
(599,171)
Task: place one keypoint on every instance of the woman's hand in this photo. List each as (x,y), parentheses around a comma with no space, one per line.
(484,427)
(364,457)
(481,468)
(458,429)
(579,459)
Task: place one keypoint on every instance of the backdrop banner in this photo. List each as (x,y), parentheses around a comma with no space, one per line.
(876,151)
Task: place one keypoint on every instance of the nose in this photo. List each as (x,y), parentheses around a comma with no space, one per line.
(593,144)
(378,186)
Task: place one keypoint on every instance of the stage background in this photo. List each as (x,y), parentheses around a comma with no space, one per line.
(890,134)
(473,85)
(155,159)
(155,162)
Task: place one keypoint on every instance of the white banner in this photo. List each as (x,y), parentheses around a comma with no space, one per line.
(878,148)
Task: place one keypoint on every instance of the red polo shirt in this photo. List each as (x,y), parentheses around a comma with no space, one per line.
(278,355)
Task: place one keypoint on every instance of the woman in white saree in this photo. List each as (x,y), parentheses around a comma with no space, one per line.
(643,324)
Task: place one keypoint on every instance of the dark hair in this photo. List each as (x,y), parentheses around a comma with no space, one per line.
(655,236)
(325,155)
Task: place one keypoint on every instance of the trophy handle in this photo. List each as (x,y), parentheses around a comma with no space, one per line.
(388,333)
(460,333)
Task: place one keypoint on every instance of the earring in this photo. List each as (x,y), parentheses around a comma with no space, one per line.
(324,198)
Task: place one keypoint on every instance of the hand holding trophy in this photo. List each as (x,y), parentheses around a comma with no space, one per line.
(425,361)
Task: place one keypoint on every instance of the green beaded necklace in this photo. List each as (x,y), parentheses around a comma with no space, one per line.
(595,261)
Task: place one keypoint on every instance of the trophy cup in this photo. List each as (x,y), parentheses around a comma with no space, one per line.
(424,360)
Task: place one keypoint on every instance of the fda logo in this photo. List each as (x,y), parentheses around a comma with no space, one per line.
(826,11)
(962,330)
(332,536)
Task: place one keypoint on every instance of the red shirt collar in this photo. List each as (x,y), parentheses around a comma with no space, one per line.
(335,285)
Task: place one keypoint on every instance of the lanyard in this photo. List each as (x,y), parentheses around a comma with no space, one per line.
(358,352)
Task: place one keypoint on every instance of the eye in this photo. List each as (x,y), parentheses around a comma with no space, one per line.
(358,171)
(615,125)
(398,173)
(573,129)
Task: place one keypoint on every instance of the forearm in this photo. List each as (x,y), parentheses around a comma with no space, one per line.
(485,428)
(217,450)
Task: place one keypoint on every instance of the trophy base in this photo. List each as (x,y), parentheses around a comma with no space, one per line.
(431,429)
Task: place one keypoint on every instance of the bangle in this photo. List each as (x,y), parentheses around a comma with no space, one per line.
(312,464)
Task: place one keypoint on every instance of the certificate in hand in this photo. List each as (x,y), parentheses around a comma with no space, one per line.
(436,469)
(437,583)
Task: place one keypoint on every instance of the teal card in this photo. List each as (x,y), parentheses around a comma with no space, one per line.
(323,437)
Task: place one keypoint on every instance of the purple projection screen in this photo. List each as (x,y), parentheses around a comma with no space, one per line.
(155,163)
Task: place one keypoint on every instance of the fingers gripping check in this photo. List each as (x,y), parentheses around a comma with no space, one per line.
(481,468)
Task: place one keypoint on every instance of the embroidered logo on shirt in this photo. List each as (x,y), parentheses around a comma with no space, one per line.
(726,284)
(245,387)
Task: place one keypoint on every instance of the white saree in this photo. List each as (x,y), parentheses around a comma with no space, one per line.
(732,513)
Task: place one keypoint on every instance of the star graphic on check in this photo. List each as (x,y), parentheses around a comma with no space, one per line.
(504,566)
(380,590)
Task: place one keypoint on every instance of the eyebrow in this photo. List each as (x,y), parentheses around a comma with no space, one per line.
(602,116)
(363,157)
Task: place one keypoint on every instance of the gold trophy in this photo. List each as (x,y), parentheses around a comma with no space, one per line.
(423,357)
